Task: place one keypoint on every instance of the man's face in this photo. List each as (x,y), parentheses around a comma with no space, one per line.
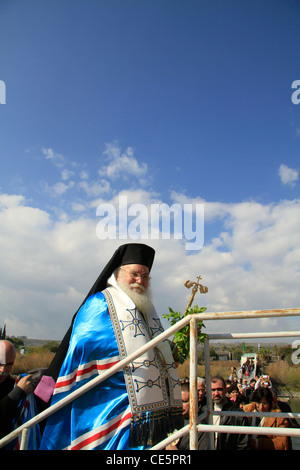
(185,396)
(218,392)
(201,392)
(135,277)
(7,358)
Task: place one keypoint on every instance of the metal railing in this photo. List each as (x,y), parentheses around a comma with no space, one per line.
(193,426)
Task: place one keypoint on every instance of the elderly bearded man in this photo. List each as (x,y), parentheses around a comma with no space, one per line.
(137,406)
(11,395)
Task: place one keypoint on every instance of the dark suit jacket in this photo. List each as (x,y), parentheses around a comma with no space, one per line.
(225,441)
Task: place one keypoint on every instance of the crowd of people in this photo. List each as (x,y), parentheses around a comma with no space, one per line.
(256,395)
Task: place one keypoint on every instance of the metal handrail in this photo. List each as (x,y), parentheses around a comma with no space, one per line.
(193,426)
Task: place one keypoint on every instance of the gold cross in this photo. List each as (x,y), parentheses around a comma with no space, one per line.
(196,285)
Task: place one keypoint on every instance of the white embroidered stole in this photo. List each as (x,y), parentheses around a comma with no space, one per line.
(152,381)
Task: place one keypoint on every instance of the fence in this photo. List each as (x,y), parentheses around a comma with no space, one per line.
(193,426)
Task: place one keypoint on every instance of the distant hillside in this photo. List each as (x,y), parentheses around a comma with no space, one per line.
(37,342)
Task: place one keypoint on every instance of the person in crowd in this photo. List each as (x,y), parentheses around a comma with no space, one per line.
(262,401)
(233,376)
(227,441)
(263,381)
(228,384)
(249,390)
(184,442)
(251,367)
(185,395)
(223,441)
(285,408)
(201,394)
(233,393)
(236,396)
(11,394)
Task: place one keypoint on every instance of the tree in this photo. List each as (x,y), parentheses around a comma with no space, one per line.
(17,342)
(182,337)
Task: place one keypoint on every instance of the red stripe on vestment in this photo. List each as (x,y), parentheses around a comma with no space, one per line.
(100,434)
(81,372)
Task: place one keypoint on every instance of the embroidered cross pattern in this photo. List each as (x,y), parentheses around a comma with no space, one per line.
(135,322)
(149,383)
(145,363)
(175,382)
(158,328)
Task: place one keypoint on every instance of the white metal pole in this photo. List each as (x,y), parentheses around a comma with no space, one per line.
(239,315)
(193,411)
(259,430)
(270,334)
(24,439)
(211,436)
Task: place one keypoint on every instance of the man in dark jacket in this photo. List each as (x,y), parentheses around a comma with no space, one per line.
(223,441)
(10,394)
(184,442)
(227,441)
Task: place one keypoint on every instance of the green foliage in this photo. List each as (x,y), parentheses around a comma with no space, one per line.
(17,342)
(238,349)
(182,337)
(285,353)
(51,346)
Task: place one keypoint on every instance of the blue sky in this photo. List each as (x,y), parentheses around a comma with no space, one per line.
(176,101)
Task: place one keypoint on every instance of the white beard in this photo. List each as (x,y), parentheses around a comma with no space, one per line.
(141,299)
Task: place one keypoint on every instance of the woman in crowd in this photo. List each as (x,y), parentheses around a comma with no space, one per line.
(263,402)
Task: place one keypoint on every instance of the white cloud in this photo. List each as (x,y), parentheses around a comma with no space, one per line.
(122,164)
(60,188)
(288,175)
(8,201)
(49,153)
(94,188)
(58,159)
(66,174)
(78,207)
(84,175)
(48,265)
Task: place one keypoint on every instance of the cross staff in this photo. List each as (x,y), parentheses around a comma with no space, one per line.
(197,285)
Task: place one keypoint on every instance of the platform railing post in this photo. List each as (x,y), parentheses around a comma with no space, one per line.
(24,438)
(211,439)
(193,411)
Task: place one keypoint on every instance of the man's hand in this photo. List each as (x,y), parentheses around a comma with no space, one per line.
(26,384)
(171,447)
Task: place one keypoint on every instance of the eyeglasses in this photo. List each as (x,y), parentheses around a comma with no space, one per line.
(135,275)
